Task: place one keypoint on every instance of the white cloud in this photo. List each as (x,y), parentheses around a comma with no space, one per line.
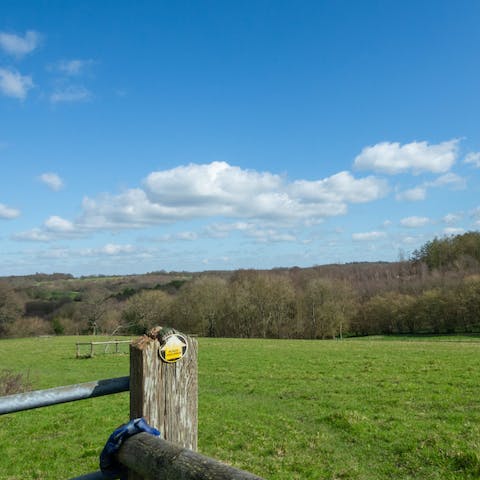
(34,235)
(250,229)
(453,231)
(7,213)
(416,157)
(367,236)
(19,46)
(473,158)
(130,209)
(52,180)
(208,184)
(220,190)
(14,84)
(72,93)
(73,68)
(222,230)
(409,240)
(115,249)
(182,236)
(271,235)
(53,227)
(452,218)
(340,188)
(57,224)
(448,179)
(55,253)
(412,195)
(414,222)
(187,236)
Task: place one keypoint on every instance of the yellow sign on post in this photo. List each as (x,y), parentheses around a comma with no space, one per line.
(173,348)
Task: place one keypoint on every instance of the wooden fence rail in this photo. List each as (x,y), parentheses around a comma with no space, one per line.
(154,458)
(164,390)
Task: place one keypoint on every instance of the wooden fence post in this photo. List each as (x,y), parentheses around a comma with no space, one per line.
(165,394)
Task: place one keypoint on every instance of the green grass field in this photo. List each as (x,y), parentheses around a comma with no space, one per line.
(354,409)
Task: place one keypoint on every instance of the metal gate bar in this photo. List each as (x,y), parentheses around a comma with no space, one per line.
(69,393)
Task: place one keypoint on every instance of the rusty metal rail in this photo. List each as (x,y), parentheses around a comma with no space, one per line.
(70,393)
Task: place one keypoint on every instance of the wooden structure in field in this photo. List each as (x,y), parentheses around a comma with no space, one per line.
(164,390)
(90,351)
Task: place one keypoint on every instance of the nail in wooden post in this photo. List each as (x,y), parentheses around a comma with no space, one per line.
(165,394)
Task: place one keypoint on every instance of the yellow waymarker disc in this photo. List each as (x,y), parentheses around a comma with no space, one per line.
(173,348)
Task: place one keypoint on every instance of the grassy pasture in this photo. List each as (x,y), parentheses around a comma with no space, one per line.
(401,408)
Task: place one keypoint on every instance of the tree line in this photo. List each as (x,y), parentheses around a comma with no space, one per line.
(436,291)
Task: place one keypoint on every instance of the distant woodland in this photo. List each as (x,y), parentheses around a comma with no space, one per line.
(435,291)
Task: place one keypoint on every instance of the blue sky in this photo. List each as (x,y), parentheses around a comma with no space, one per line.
(195,135)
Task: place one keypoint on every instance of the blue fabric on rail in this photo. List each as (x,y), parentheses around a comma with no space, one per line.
(109,465)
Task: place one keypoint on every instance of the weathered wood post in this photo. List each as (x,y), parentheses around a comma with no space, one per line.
(163,384)
(154,458)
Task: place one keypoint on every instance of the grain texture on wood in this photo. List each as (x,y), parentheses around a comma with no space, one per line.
(165,394)
(153,458)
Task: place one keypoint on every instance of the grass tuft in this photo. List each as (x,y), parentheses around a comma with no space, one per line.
(12,382)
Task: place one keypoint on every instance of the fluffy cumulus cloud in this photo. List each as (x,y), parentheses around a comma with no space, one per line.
(368,236)
(413,194)
(53,227)
(216,186)
(7,213)
(414,222)
(221,190)
(57,224)
(14,84)
(340,188)
(52,180)
(392,158)
(17,45)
